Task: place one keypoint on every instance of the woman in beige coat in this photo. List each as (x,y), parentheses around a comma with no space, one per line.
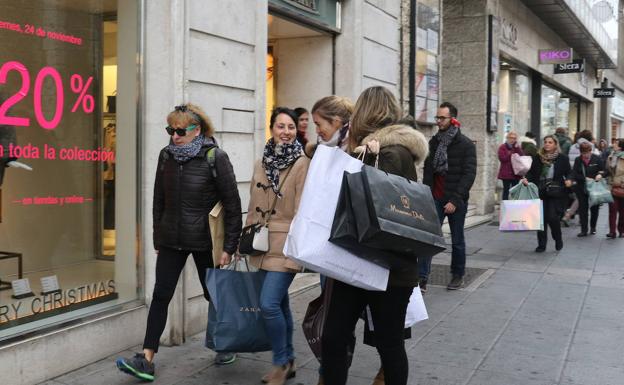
(278,177)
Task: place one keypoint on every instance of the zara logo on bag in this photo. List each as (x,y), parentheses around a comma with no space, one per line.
(250,309)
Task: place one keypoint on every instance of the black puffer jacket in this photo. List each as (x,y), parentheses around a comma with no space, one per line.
(580,171)
(462,169)
(184,194)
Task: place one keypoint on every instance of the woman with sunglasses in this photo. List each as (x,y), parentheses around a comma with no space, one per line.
(191,178)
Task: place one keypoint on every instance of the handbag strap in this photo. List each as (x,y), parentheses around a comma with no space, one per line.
(266,222)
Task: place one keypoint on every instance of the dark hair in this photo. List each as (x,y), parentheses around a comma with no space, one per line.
(300,111)
(284,110)
(530,135)
(585,134)
(452,109)
(585,147)
(621,144)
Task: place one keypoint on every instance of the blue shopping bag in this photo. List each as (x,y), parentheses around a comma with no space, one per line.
(235,322)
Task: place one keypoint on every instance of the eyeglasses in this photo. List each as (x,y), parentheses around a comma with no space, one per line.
(441,117)
(180,131)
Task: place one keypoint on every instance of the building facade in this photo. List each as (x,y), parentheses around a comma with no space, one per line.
(85,88)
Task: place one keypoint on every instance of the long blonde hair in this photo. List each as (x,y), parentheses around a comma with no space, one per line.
(188,114)
(375,108)
(331,107)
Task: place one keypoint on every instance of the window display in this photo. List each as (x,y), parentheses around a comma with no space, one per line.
(58,163)
(558,110)
(427,66)
(514,113)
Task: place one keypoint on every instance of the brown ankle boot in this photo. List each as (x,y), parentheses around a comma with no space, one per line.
(279,375)
(292,372)
(379,378)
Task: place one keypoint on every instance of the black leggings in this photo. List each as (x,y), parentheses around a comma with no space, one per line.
(553,210)
(388,312)
(587,214)
(169,265)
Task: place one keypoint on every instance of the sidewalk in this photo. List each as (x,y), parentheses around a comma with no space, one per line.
(530,319)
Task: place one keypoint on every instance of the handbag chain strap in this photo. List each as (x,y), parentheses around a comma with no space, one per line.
(266,222)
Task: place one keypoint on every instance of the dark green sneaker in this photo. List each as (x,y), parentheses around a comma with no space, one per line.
(225,358)
(137,366)
(456,283)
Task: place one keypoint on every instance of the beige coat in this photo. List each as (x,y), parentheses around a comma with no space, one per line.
(616,174)
(285,210)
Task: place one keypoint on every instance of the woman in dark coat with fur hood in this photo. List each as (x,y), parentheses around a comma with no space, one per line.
(400,148)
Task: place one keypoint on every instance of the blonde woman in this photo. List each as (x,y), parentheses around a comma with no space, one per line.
(400,148)
(186,189)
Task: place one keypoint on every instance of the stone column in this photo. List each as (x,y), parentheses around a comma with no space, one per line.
(464,82)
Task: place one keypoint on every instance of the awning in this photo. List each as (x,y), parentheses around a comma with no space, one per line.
(573,21)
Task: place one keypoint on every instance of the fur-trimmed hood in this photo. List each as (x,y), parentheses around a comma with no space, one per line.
(402,135)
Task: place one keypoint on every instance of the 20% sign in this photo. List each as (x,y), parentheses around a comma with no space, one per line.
(77,85)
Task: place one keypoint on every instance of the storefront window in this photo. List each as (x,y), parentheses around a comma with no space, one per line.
(66,247)
(514,112)
(427,68)
(558,110)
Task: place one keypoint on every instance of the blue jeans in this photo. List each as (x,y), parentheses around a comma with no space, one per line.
(458,255)
(278,321)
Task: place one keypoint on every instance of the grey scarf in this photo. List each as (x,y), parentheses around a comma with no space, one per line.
(440,159)
(187,151)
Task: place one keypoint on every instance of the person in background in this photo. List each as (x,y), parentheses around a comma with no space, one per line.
(584,136)
(564,140)
(506,172)
(450,171)
(278,177)
(615,167)
(528,144)
(550,167)
(400,148)
(586,166)
(303,119)
(604,149)
(185,192)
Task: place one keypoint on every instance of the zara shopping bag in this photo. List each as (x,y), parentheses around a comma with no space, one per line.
(307,241)
(393,215)
(235,323)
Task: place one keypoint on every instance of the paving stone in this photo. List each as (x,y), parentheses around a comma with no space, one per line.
(485,377)
(579,373)
(527,365)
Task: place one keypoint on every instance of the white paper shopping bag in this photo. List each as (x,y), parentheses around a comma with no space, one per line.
(521,215)
(307,241)
(416,311)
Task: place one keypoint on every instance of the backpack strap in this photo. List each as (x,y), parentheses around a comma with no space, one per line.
(212,160)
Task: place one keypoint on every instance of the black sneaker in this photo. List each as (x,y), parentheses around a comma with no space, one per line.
(422,284)
(456,283)
(593,232)
(137,366)
(559,245)
(225,358)
(540,249)
(581,234)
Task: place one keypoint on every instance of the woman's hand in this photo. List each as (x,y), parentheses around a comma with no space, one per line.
(225,259)
(568,183)
(524,181)
(598,177)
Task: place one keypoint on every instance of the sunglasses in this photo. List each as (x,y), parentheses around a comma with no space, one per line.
(441,117)
(180,131)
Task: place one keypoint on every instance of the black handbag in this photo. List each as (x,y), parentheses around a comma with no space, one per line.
(552,189)
(395,219)
(254,238)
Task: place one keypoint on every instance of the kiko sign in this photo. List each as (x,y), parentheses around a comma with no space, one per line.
(555,56)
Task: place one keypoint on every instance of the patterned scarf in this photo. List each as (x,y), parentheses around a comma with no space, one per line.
(440,159)
(278,157)
(548,158)
(187,151)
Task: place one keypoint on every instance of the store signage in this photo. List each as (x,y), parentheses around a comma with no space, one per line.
(322,14)
(49,305)
(604,92)
(555,56)
(577,65)
(509,33)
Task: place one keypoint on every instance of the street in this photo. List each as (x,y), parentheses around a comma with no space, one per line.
(526,318)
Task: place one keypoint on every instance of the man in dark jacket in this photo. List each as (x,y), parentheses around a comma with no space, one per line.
(450,171)
(564,140)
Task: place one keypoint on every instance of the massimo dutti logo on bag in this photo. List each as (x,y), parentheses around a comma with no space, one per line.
(406,204)
(245,309)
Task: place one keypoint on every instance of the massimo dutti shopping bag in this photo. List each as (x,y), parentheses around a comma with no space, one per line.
(235,323)
(308,243)
(393,215)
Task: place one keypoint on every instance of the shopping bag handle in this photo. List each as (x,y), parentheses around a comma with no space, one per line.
(362,155)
